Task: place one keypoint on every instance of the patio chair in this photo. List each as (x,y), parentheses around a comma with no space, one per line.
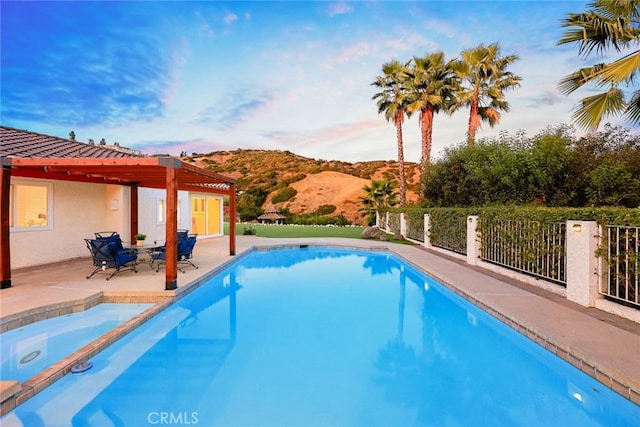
(108,253)
(186,244)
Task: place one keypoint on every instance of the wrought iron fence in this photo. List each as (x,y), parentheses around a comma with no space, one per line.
(415,227)
(450,234)
(621,280)
(531,247)
(393,224)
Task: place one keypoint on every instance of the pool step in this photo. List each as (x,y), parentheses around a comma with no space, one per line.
(8,389)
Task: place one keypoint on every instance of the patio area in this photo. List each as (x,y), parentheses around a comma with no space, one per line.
(602,345)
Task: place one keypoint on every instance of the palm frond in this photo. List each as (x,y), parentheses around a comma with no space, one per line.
(489,115)
(579,78)
(633,108)
(598,34)
(621,70)
(595,108)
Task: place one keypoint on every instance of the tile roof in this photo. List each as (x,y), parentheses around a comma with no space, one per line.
(23,143)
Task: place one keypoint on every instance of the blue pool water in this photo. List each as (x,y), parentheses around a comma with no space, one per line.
(325,337)
(28,350)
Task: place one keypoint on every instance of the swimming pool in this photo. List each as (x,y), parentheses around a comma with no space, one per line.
(323,336)
(28,350)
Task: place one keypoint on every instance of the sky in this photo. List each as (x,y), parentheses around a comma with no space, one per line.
(203,76)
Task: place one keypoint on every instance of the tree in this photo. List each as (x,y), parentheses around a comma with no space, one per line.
(484,78)
(380,194)
(431,84)
(605,24)
(392,101)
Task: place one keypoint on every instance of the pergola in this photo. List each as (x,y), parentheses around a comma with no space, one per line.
(153,172)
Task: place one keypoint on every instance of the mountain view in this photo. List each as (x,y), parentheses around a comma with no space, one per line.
(269,177)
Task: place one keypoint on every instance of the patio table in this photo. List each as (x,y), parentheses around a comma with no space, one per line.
(147,249)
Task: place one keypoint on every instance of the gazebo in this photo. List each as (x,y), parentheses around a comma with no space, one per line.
(271,216)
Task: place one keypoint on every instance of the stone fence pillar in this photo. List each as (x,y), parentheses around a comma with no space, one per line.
(403,225)
(473,243)
(582,263)
(427,226)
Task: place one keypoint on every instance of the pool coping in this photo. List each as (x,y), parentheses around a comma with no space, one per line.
(15,394)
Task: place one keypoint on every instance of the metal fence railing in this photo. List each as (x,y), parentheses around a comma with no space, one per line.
(621,280)
(451,235)
(393,223)
(531,247)
(415,227)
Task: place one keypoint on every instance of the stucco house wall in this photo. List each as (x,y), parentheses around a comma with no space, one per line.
(78,211)
(148,221)
(81,209)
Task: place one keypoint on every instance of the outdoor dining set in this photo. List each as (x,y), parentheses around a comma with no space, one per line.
(109,252)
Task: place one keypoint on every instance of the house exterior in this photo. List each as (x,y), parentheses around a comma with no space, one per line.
(56,192)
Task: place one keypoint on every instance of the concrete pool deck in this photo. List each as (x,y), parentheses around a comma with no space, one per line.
(604,346)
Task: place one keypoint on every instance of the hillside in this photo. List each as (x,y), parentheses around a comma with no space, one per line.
(261,173)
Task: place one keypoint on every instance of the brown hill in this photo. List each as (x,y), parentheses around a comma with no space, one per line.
(260,174)
(327,188)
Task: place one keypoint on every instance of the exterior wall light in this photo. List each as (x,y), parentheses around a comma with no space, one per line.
(576,227)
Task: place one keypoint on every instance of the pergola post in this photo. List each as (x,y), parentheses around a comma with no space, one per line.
(134,211)
(232,219)
(5,250)
(171,246)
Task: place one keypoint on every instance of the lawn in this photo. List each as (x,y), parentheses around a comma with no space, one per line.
(280,231)
(283,231)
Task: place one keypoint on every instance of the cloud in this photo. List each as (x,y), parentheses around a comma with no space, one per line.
(175,147)
(547,97)
(238,108)
(84,77)
(230,18)
(354,51)
(412,42)
(339,8)
(333,134)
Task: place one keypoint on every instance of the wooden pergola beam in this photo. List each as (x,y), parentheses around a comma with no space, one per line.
(5,254)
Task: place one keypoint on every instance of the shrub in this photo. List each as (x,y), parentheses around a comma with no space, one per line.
(284,194)
(326,209)
(249,231)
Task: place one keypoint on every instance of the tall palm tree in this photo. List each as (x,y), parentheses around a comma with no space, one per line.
(431,86)
(606,24)
(484,78)
(392,101)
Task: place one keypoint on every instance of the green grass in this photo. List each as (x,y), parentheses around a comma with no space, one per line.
(280,231)
(284,231)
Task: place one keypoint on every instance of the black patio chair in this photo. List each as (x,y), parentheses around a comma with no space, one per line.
(108,253)
(186,244)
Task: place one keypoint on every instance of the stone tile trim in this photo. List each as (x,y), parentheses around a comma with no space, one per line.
(47,312)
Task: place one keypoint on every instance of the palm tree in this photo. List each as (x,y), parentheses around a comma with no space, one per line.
(380,194)
(484,78)
(606,24)
(392,101)
(431,83)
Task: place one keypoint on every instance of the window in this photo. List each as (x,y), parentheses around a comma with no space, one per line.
(162,211)
(30,205)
